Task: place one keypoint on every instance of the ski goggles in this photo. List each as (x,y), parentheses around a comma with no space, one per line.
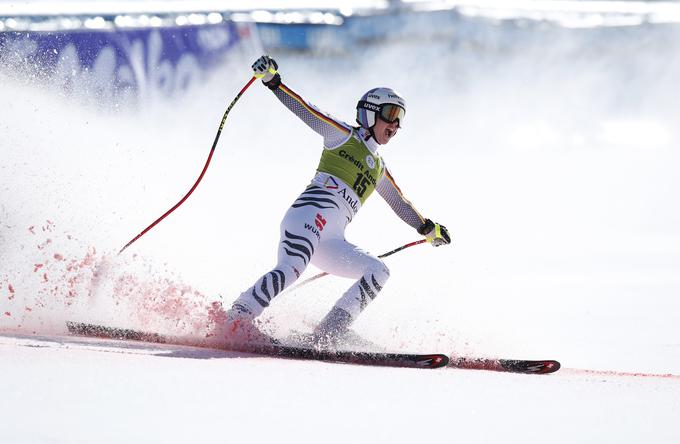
(388,112)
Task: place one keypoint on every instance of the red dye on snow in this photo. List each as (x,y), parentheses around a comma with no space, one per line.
(58,257)
(72,288)
(618,374)
(72,265)
(44,244)
(89,259)
(8,313)
(37,267)
(216,312)
(162,303)
(32,229)
(216,316)
(11,291)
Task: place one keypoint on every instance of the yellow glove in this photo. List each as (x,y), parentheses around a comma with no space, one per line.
(265,68)
(435,233)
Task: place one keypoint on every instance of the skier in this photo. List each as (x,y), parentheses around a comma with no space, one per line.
(313,228)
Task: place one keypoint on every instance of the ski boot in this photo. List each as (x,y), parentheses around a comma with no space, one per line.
(332,328)
(240,327)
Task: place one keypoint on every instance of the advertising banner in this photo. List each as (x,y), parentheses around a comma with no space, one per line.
(111,65)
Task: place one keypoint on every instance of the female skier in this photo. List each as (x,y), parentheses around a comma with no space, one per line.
(313,229)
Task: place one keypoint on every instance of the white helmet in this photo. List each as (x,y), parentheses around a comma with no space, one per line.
(385,103)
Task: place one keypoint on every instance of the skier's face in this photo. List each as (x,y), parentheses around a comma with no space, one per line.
(384,131)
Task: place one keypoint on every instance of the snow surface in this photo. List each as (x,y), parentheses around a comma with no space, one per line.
(553,165)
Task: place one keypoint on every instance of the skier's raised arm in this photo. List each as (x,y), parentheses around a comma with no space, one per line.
(333,131)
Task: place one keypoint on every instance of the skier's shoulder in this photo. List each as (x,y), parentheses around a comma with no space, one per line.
(347,133)
(341,124)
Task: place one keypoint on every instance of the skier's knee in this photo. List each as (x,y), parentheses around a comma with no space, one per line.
(378,272)
(292,272)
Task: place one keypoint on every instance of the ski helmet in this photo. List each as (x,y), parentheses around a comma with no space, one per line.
(385,103)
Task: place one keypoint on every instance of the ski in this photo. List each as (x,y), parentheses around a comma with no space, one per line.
(539,367)
(408,360)
(100,331)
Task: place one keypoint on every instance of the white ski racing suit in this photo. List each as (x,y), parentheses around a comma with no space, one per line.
(313,228)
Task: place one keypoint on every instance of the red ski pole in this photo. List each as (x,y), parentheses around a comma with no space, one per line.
(200,177)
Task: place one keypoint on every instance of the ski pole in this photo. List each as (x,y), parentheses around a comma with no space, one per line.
(200,177)
(384,255)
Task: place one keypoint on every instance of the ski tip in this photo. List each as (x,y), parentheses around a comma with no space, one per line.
(550,366)
(436,360)
(541,367)
(536,367)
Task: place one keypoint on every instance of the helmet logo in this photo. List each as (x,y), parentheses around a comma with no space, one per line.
(369,106)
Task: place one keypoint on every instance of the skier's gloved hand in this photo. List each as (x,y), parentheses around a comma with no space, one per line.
(265,68)
(435,233)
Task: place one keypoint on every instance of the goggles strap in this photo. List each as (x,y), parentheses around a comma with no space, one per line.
(369,106)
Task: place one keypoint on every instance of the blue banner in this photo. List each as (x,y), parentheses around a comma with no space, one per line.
(112,65)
